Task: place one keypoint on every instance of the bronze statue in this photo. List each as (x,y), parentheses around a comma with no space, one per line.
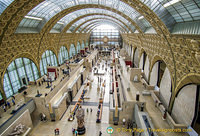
(80,120)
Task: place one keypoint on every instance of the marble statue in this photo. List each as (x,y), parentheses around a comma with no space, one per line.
(18,130)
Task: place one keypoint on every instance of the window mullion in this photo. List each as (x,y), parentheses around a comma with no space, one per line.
(24,68)
(17,74)
(10,81)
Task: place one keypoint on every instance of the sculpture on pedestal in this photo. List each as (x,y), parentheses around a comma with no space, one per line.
(18,130)
(80,120)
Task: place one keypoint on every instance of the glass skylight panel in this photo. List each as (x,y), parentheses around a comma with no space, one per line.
(32,23)
(4,4)
(172,2)
(109,3)
(69,17)
(94,1)
(81,1)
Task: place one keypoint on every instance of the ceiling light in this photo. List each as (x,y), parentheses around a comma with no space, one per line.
(35,18)
(170,3)
(141,17)
(60,23)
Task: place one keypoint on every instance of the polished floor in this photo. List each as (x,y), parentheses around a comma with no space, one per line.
(91,102)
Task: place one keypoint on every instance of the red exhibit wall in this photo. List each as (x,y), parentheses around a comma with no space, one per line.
(128,63)
(113,86)
(52,70)
(82,51)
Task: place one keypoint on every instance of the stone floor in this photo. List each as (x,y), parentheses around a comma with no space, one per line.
(93,128)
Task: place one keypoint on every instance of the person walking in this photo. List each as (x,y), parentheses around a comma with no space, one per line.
(4,108)
(76,132)
(124,121)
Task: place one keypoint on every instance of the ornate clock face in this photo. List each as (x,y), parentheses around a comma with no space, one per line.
(105,39)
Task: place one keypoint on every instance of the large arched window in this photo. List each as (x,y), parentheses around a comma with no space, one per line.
(82,46)
(104,34)
(1,97)
(48,58)
(87,43)
(63,55)
(78,47)
(72,51)
(18,74)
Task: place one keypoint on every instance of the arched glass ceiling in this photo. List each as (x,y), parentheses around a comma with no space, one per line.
(105,27)
(97,20)
(70,17)
(169,11)
(49,8)
(99,24)
(91,22)
(100,21)
(96,16)
(175,11)
(95,23)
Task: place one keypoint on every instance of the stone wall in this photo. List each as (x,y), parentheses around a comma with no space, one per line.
(154,75)
(136,58)
(141,61)
(165,88)
(146,68)
(180,53)
(184,105)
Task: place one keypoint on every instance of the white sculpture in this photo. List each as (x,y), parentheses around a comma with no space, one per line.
(18,130)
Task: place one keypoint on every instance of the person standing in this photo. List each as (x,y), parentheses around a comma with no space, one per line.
(4,108)
(124,121)
(76,132)
(73,130)
(13,101)
(142,107)
(8,105)
(100,133)
(58,131)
